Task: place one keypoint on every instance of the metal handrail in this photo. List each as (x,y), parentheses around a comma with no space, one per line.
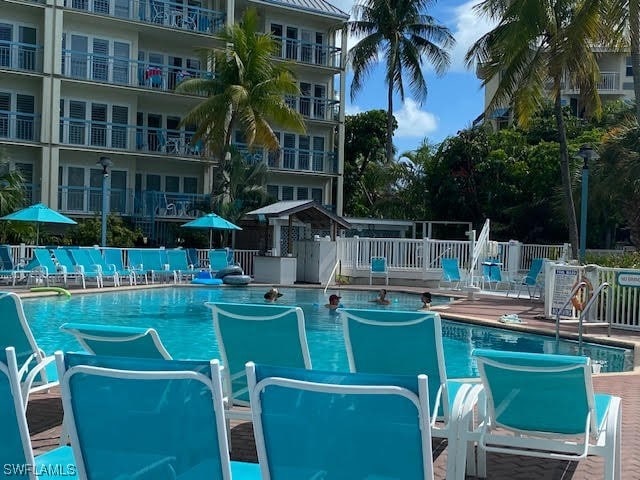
(585,310)
(335,267)
(574,290)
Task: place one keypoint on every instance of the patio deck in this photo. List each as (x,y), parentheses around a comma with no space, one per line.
(45,410)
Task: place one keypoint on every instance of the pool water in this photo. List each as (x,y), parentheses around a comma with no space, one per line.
(186,328)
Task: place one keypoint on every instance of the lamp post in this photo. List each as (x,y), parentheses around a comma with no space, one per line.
(587,154)
(105,163)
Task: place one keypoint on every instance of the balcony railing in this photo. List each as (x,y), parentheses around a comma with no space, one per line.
(311,53)
(302,160)
(125,71)
(315,108)
(609,82)
(169,14)
(91,133)
(20,56)
(146,204)
(19,126)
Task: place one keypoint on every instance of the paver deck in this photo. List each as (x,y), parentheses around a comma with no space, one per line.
(45,410)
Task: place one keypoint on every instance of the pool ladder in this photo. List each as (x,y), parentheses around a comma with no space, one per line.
(583,314)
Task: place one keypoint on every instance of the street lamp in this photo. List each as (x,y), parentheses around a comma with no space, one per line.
(105,163)
(586,153)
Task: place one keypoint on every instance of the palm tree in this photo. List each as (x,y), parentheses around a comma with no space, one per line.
(536,46)
(246,92)
(12,195)
(405,35)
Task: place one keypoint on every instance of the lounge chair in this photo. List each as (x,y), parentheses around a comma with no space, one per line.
(268,334)
(218,259)
(114,257)
(117,340)
(146,418)
(314,425)
(155,263)
(530,280)
(73,270)
(15,449)
(543,405)
(42,268)
(450,272)
(179,265)
(7,268)
(110,270)
(491,273)
(16,333)
(410,343)
(83,258)
(379,268)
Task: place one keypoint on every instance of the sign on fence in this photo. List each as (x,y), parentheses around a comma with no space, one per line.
(628,279)
(563,281)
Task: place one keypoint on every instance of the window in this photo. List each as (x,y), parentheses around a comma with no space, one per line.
(5,106)
(303,152)
(25,104)
(318,154)
(119,120)
(118,197)
(77,110)
(273,191)
(316,195)
(98,124)
(153,182)
(276,31)
(21,55)
(289,158)
(302,193)
(287,193)
(190,185)
(292,43)
(172,184)
(629,69)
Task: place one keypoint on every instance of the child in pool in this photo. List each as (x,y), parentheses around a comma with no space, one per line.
(382,298)
(426,301)
(272,295)
(334,302)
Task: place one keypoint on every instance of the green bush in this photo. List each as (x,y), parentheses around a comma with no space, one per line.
(621,260)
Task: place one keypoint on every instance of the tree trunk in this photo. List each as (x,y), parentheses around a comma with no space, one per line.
(390,124)
(634,33)
(565,171)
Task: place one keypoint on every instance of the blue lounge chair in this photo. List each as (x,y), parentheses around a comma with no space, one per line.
(531,279)
(117,340)
(268,334)
(110,270)
(410,343)
(42,268)
(73,270)
(15,332)
(313,425)
(379,269)
(543,405)
(147,418)
(179,265)
(450,272)
(491,273)
(83,258)
(154,261)
(114,258)
(16,453)
(218,259)
(7,268)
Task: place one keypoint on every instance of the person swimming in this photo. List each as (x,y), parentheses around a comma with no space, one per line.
(382,298)
(426,301)
(334,302)
(272,295)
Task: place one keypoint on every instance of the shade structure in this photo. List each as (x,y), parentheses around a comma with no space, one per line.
(212,222)
(38,213)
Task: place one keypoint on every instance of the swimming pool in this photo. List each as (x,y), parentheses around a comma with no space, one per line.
(186,329)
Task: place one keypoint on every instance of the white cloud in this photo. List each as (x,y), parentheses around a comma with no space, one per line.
(352,109)
(413,122)
(466,27)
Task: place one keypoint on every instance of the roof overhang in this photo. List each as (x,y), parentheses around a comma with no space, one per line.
(306,211)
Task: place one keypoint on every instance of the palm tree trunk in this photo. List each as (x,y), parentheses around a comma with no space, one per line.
(565,171)
(390,124)
(634,32)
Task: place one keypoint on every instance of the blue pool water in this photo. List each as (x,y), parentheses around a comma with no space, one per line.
(186,329)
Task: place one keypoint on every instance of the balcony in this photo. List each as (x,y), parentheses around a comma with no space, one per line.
(22,127)
(309,53)
(125,71)
(91,133)
(147,204)
(172,15)
(24,57)
(609,83)
(315,108)
(300,160)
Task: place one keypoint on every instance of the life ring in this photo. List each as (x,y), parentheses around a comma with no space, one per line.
(582,295)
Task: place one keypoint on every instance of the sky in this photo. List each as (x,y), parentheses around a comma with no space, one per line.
(453,100)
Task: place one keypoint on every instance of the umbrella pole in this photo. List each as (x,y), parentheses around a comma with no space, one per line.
(37,234)
(210,238)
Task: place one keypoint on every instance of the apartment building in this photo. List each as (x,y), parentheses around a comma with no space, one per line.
(85,79)
(616,83)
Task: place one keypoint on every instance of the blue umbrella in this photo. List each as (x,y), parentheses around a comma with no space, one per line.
(38,213)
(212,222)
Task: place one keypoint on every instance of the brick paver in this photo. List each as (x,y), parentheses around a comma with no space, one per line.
(45,410)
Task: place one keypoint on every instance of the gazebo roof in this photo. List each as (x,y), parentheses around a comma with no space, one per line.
(307,211)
